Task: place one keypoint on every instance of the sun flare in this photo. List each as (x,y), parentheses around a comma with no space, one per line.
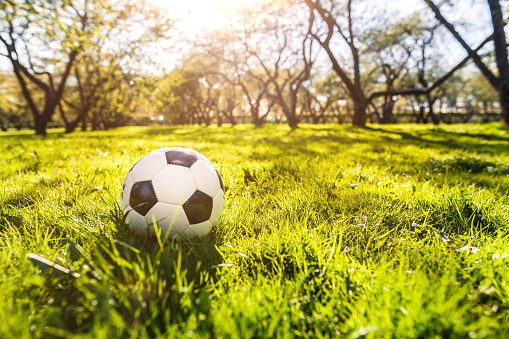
(199,14)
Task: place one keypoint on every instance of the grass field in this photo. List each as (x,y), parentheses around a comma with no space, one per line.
(389,231)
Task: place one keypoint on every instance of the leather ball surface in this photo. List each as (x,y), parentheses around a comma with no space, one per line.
(176,188)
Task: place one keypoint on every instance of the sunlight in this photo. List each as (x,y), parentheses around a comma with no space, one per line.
(199,14)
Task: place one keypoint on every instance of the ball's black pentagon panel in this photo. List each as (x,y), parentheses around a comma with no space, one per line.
(181,158)
(220,180)
(178,188)
(143,197)
(198,208)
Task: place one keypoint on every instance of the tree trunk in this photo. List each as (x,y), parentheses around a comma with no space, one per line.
(359,113)
(3,126)
(500,83)
(431,112)
(421,118)
(388,107)
(95,122)
(289,111)
(83,123)
(293,122)
(71,126)
(316,119)
(291,117)
(231,118)
(40,125)
(499,40)
(219,119)
(256,120)
(503,95)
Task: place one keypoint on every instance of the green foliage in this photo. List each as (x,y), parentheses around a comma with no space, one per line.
(398,231)
(481,91)
(13,110)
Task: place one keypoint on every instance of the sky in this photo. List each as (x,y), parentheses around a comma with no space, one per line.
(201,14)
(194,16)
(212,13)
(198,15)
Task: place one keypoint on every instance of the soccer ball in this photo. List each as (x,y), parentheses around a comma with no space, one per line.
(176,188)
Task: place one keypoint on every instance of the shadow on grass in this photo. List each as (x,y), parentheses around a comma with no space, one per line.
(132,284)
(447,140)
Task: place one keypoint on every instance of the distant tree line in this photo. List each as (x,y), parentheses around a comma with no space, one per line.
(87,64)
(74,61)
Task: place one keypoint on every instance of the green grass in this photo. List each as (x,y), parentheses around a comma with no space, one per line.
(389,231)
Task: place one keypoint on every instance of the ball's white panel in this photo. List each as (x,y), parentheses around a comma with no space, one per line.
(126,191)
(168,218)
(148,167)
(217,207)
(136,220)
(206,178)
(189,234)
(174,184)
(201,229)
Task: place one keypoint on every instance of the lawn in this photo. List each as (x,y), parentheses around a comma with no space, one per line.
(388,231)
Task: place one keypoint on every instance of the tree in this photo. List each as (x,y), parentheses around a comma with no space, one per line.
(235,68)
(267,53)
(65,25)
(351,37)
(413,53)
(338,19)
(324,32)
(166,95)
(320,98)
(392,47)
(482,93)
(122,34)
(206,101)
(84,94)
(283,48)
(189,94)
(423,39)
(118,100)
(292,78)
(228,102)
(59,45)
(501,81)
(256,89)
(13,110)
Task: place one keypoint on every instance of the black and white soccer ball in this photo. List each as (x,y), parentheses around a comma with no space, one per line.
(178,189)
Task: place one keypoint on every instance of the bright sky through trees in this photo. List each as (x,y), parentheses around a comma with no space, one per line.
(198,14)
(195,16)
(192,17)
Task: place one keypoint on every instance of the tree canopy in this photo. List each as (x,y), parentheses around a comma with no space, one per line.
(100,64)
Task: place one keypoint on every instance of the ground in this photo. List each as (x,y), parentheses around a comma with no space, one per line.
(385,231)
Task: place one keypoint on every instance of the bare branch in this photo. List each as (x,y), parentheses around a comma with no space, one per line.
(354,90)
(471,53)
(437,83)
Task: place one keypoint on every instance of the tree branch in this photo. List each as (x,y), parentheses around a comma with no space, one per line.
(499,39)
(471,53)
(437,83)
(355,92)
